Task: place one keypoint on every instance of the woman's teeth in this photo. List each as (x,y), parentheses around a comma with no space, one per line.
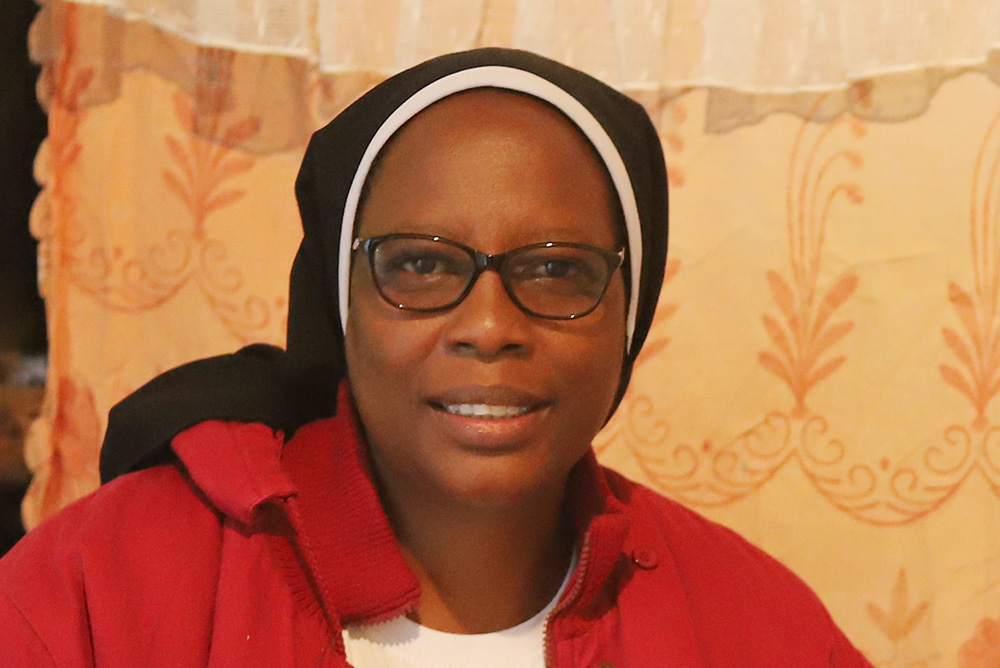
(486,410)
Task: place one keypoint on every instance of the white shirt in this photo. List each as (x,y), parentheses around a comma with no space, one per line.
(402,643)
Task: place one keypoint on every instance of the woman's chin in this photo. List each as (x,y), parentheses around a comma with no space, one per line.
(496,483)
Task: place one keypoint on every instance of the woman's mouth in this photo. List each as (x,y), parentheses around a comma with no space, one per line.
(491,419)
(485,411)
(491,402)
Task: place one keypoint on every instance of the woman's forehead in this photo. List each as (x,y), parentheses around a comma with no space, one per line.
(441,161)
(488,113)
(467,111)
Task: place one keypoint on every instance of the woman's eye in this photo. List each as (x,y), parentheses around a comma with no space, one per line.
(556,269)
(422,265)
(553,268)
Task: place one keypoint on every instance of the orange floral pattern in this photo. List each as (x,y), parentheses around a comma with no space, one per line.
(898,621)
(982,650)
(70,471)
(709,474)
(76,249)
(803,333)
(61,448)
(621,424)
(979,310)
(202,165)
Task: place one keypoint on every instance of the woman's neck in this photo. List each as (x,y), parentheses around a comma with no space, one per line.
(482,569)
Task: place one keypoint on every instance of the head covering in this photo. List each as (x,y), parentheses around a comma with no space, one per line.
(288,389)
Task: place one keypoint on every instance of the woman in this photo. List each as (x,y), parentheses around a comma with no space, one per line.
(485,236)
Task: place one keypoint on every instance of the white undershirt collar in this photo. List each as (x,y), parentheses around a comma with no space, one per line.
(402,643)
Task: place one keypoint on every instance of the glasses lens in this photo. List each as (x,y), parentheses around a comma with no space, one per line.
(421,273)
(557,281)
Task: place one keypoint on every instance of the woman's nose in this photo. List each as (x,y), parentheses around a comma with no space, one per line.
(487,323)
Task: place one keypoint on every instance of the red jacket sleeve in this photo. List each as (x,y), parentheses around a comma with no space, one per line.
(42,599)
(125,576)
(21,644)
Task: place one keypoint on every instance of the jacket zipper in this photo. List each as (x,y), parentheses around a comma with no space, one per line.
(566,601)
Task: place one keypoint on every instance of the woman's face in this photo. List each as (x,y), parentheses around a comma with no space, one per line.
(494,171)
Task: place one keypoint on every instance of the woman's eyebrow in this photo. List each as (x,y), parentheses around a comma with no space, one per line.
(460,234)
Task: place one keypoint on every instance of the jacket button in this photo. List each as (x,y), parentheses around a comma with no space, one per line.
(644,558)
(605,665)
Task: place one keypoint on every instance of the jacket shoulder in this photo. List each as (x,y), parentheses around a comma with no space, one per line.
(703,549)
(144,536)
(157,505)
(738,597)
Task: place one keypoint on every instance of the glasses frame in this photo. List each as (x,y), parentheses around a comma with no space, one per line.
(488,261)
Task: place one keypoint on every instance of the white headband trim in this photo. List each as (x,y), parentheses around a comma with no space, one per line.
(509,78)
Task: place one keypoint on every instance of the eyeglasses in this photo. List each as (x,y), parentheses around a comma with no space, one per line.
(556,280)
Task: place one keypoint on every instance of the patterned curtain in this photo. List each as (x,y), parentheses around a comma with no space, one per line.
(823,370)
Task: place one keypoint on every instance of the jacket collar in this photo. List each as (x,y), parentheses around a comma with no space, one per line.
(342,531)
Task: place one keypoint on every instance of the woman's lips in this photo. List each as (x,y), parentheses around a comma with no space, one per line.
(485,411)
(496,419)
(488,401)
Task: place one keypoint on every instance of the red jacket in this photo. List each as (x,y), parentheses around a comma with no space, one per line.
(254,552)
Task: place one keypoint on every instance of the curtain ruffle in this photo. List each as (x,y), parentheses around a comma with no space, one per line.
(880,61)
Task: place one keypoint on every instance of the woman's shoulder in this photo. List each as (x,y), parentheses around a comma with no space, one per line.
(725,577)
(739,600)
(153,508)
(145,547)
(698,542)
(222,471)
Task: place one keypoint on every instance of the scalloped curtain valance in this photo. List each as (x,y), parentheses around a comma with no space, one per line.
(757,46)
(882,59)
